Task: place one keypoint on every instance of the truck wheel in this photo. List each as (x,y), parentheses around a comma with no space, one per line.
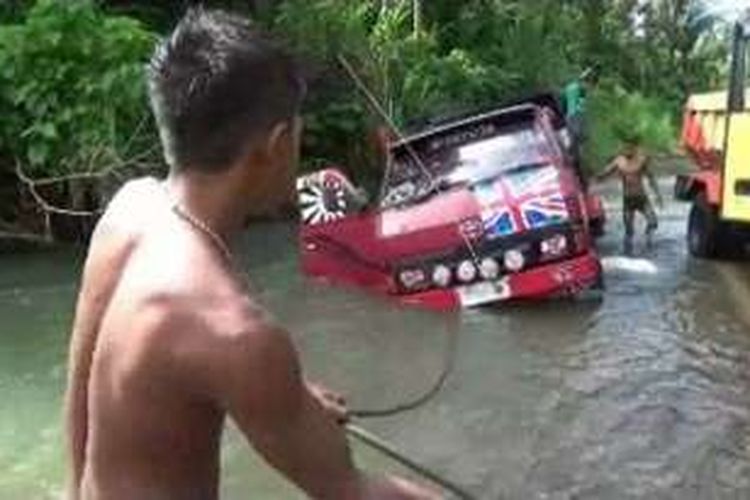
(708,236)
(702,237)
(745,242)
(729,242)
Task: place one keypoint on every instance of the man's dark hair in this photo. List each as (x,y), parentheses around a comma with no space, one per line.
(214,84)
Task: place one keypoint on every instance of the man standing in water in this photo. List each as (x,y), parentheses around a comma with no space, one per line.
(168,339)
(632,165)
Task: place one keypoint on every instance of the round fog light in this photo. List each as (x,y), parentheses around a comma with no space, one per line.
(441,275)
(489,268)
(466,271)
(514,260)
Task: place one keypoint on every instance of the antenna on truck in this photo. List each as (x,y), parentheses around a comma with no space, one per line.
(380,110)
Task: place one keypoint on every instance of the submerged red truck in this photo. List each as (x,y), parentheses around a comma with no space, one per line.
(476,211)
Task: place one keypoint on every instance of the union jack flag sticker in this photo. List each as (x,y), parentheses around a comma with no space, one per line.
(521,201)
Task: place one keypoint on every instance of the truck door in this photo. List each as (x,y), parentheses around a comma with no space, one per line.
(735,204)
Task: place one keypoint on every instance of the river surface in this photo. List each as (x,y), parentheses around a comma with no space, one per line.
(643,394)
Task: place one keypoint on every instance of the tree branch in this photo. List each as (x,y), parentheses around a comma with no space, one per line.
(47,207)
(109,170)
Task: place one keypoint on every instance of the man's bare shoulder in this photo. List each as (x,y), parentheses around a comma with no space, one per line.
(620,161)
(134,206)
(190,309)
(210,339)
(177,273)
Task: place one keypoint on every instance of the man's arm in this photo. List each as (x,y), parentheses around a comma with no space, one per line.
(76,411)
(609,171)
(262,389)
(653,181)
(260,385)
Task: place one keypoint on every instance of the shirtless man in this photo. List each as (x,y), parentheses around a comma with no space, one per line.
(167,339)
(632,165)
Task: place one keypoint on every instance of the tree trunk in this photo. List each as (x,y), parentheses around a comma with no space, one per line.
(417,8)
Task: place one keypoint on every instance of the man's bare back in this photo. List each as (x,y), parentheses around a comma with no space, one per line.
(139,379)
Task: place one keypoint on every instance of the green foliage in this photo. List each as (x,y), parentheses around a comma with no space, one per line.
(161,15)
(480,53)
(524,47)
(11,10)
(335,118)
(72,90)
(616,115)
(407,73)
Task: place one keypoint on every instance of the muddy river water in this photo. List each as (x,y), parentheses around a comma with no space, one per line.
(643,394)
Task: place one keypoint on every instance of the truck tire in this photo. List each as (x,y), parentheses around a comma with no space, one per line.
(702,233)
(730,244)
(708,237)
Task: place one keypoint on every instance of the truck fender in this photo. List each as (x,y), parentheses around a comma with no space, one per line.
(689,186)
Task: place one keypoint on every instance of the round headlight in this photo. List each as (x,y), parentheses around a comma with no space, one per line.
(441,275)
(514,260)
(489,268)
(466,271)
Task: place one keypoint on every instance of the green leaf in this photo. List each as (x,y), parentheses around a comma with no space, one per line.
(48,131)
(38,153)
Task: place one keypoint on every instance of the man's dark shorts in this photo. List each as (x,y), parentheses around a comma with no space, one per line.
(638,203)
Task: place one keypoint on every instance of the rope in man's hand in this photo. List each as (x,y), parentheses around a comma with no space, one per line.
(387,449)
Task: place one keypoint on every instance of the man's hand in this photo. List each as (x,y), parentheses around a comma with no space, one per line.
(333,403)
(372,488)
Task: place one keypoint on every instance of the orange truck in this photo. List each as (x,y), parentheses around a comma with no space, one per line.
(716,134)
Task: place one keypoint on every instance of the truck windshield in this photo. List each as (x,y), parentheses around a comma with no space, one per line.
(466,163)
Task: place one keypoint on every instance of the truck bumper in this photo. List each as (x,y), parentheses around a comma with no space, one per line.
(560,278)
